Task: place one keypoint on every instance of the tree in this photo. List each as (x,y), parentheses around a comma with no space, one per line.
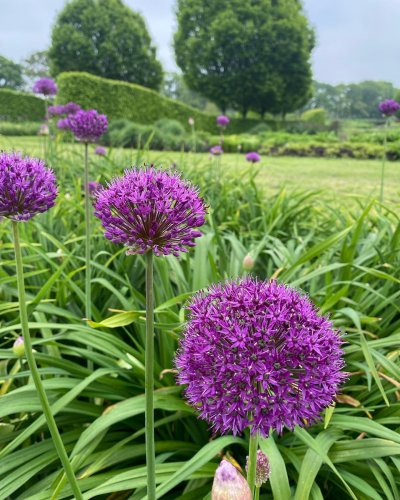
(175,87)
(36,65)
(249,54)
(105,38)
(10,74)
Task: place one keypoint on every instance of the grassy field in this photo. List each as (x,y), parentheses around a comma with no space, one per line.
(336,177)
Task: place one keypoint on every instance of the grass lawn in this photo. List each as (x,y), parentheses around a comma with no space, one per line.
(337,177)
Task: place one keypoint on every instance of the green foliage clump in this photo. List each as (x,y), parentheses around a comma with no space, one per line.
(18,106)
(245,54)
(106,38)
(19,129)
(315,116)
(10,74)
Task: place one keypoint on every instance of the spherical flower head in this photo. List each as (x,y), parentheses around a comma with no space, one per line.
(19,346)
(45,86)
(27,187)
(63,124)
(389,107)
(257,354)
(150,209)
(87,126)
(93,187)
(56,110)
(71,108)
(229,484)
(253,157)
(222,120)
(216,150)
(262,468)
(100,151)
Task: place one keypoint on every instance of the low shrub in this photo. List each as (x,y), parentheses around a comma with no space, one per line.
(19,129)
(19,106)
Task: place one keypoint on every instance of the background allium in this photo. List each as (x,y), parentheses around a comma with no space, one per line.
(93,186)
(100,151)
(43,129)
(87,126)
(253,157)
(63,124)
(257,353)
(56,110)
(151,209)
(389,107)
(222,120)
(262,468)
(216,150)
(45,86)
(27,187)
(70,108)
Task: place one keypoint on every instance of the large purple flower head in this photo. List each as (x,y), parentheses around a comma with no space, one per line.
(150,209)
(389,107)
(87,126)
(222,120)
(253,157)
(258,354)
(45,86)
(27,187)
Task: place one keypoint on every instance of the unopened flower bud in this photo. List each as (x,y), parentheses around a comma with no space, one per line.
(191,121)
(248,263)
(19,347)
(229,484)
(262,468)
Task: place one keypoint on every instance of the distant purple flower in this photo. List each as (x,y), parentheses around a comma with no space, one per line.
(100,151)
(45,86)
(258,354)
(150,209)
(43,129)
(216,150)
(389,107)
(222,120)
(71,108)
(93,187)
(87,126)
(253,157)
(229,484)
(262,468)
(63,124)
(56,110)
(27,187)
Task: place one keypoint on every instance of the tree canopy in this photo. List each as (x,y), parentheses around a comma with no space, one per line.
(251,55)
(105,38)
(10,74)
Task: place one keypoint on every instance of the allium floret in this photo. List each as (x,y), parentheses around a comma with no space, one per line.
(87,126)
(151,209)
(45,86)
(27,187)
(257,354)
(389,107)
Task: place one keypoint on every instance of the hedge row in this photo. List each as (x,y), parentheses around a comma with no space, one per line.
(119,99)
(18,106)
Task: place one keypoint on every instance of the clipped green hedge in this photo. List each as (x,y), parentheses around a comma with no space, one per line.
(119,99)
(18,106)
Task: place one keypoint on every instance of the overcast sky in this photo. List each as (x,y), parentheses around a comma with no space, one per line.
(356,39)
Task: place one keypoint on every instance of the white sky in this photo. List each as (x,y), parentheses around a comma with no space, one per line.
(356,39)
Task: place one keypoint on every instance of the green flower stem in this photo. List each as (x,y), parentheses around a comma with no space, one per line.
(88,291)
(384,160)
(149,379)
(252,463)
(35,372)
(257,495)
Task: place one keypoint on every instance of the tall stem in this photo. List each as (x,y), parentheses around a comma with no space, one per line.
(252,464)
(88,291)
(35,372)
(384,159)
(149,379)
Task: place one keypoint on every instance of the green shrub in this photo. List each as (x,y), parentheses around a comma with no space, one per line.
(315,116)
(19,129)
(172,127)
(18,106)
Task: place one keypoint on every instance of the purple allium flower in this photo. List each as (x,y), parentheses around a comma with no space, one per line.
(222,120)
(19,346)
(262,468)
(27,187)
(56,110)
(253,157)
(150,209)
(45,86)
(63,124)
(93,187)
(229,484)
(389,107)
(100,151)
(87,126)
(216,150)
(258,354)
(71,108)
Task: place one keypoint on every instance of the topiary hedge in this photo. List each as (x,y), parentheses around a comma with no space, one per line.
(18,106)
(141,105)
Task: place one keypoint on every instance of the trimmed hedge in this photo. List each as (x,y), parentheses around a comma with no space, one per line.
(119,99)
(18,106)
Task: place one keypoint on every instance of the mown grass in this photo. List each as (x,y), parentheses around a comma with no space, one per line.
(346,256)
